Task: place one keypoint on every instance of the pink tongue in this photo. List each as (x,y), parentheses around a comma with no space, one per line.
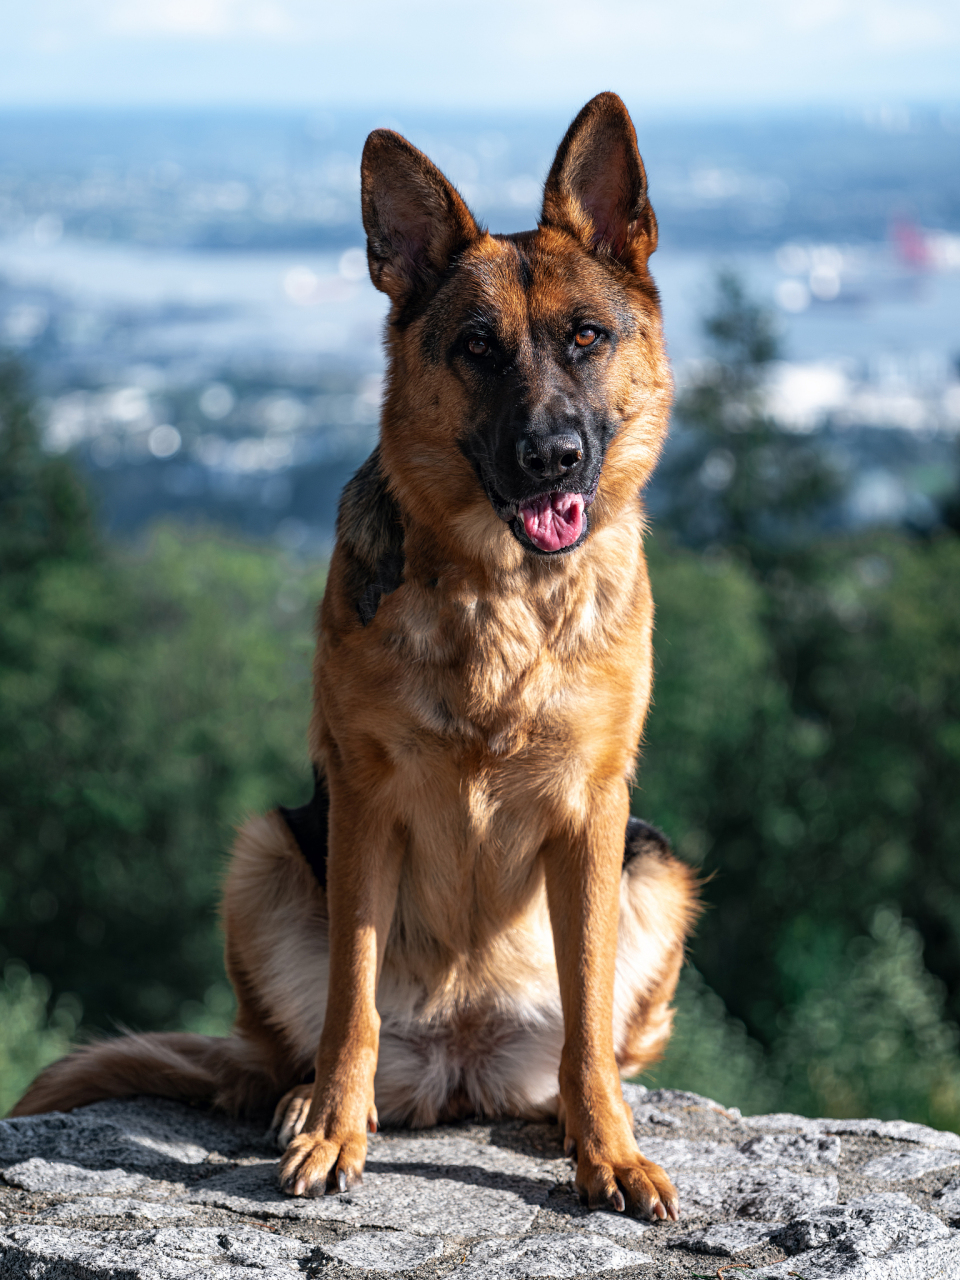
(553,520)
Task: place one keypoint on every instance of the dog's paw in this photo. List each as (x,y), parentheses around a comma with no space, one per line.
(634,1183)
(290,1115)
(314,1164)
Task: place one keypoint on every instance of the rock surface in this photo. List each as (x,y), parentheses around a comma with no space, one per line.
(150,1190)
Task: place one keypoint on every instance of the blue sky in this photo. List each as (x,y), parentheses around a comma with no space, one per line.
(679,54)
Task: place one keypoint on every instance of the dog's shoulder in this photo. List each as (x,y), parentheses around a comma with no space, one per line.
(370,537)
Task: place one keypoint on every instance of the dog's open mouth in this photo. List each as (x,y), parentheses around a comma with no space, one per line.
(553,521)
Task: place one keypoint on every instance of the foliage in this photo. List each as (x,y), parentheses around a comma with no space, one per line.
(874,1038)
(43,510)
(32,1034)
(145,707)
(147,702)
(732,476)
(711,1053)
(816,782)
(802,751)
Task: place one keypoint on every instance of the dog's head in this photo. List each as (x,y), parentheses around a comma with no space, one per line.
(528,389)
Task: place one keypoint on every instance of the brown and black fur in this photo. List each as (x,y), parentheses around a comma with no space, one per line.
(464,919)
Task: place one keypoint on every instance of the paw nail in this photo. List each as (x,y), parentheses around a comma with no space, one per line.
(300,1187)
(659,1210)
(618,1202)
(342,1181)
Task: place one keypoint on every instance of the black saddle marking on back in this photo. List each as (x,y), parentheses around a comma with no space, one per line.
(642,839)
(370,530)
(309,826)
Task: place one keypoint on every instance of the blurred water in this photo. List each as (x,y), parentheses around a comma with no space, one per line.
(177,304)
(193,303)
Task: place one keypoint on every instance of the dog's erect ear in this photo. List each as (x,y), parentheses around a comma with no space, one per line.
(597,187)
(414,218)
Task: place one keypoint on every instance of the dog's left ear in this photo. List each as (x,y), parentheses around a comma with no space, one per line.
(414,218)
(597,186)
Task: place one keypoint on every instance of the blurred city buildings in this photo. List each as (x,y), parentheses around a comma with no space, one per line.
(190,290)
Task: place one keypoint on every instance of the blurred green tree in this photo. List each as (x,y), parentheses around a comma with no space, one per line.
(44,513)
(145,706)
(803,741)
(733,478)
(873,1037)
(32,1033)
(711,1053)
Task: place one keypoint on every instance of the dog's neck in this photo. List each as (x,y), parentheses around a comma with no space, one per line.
(496,646)
(486,634)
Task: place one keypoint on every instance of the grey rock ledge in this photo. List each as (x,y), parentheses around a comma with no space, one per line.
(151,1190)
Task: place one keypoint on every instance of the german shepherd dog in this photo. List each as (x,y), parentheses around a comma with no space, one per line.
(465,919)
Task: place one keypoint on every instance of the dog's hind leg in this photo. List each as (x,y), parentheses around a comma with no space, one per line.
(278,949)
(658,907)
(275,915)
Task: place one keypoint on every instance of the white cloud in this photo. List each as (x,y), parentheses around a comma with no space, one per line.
(891,25)
(207,19)
(686,54)
(814,15)
(910,26)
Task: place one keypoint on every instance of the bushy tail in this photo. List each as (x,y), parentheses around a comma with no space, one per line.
(224,1071)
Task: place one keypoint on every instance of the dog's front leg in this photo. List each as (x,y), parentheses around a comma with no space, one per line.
(583,881)
(363,871)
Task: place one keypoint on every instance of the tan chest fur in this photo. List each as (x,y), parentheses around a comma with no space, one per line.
(481,716)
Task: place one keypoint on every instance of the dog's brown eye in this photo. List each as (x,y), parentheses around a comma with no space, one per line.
(586,336)
(478,346)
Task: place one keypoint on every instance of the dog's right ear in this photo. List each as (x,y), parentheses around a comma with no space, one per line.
(414,218)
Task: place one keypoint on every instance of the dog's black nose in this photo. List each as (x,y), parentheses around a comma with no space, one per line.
(549,457)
